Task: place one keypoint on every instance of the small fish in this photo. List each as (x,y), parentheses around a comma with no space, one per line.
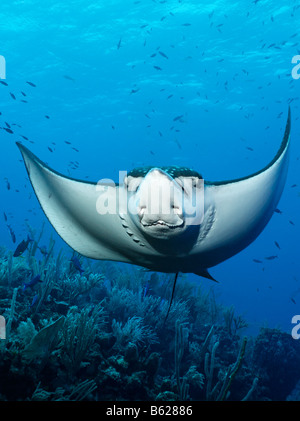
(68,78)
(177,143)
(271,257)
(43,250)
(5,216)
(32,283)
(250,149)
(157,68)
(46,116)
(293,301)
(12,95)
(23,93)
(291,222)
(22,247)
(7,183)
(8,130)
(277,245)
(257,261)
(179,117)
(12,234)
(119,44)
(3,83)
(68,143)
(134,91)
(278,211)
(77,264)
(34,300)
(31,84)
(163,55)
(51,150)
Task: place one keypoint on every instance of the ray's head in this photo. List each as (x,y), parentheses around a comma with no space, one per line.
(165,202)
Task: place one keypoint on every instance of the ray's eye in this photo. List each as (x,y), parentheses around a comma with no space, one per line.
(132,186)
(134,189)
(180,184)
(184,191)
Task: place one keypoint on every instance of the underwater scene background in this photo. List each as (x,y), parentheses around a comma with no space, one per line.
(98,87)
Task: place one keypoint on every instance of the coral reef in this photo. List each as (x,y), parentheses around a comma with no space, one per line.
(276,360)
(101,334)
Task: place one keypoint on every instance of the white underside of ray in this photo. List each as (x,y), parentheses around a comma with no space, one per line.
(236,213)
(70,206)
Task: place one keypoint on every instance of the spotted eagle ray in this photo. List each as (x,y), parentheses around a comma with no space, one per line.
(153,221)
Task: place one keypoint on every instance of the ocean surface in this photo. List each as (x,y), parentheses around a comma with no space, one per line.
(94,88)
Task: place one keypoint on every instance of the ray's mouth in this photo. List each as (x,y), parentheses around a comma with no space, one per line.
(162,224)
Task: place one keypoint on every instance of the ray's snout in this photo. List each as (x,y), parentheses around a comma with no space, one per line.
(159,200)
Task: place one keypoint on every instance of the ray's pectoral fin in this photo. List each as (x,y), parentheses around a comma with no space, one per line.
(243,207)
(71,207)
(235,213)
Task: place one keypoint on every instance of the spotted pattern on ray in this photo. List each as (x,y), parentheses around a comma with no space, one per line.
(173,171)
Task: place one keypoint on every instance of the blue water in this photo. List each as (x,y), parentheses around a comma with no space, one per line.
(226,68)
